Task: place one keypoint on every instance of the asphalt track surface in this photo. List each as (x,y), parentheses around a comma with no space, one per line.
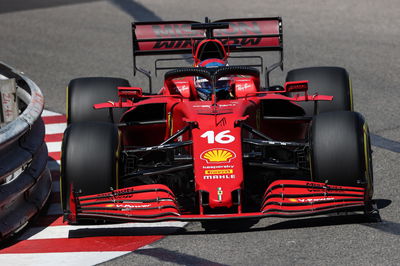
(55,41)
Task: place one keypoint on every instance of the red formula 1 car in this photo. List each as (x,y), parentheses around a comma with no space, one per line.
(214,145)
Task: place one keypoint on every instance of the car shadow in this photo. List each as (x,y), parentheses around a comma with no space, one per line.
(327,220)
(125,231)
(309,222)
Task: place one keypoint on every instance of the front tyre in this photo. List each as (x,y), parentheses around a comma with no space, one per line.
(89,160)
(341,150)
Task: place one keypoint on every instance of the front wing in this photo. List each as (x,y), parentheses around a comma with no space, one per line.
(156,202)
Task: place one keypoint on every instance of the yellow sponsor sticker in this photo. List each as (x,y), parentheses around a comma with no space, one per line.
(218,172)
(218,155)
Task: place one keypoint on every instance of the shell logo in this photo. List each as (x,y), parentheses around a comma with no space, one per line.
(218,155)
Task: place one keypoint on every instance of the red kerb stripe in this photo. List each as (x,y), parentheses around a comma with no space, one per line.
(85,244)
(53,137)
(54,119)
(56,155)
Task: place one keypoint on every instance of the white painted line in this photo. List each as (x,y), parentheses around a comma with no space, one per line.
(59,259)
(54,146)
(49,113)
(55,128)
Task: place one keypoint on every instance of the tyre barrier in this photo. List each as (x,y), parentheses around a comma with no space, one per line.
(25,181)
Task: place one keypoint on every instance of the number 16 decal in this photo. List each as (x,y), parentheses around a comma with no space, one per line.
(222,137)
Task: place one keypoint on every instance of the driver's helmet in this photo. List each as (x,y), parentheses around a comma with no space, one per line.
(204,87)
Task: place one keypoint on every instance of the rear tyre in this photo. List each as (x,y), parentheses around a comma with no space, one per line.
(82,93)
(89,160)
(332,81)
(341,150)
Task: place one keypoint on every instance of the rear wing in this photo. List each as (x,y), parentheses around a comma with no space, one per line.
(178,37)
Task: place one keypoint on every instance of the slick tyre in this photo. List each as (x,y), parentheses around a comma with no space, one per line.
(82,93)
(341,150)
(89,162)
(333,81)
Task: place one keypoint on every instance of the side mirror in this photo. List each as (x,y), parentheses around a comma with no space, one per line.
(129,92)
(296,86)
(276,88)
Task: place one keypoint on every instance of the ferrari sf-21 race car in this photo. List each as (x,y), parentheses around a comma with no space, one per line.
(214,144)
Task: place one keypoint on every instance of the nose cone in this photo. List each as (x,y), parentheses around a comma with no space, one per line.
(217,160)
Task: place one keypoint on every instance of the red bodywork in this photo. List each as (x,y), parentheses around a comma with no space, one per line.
(217,163)
(214,131)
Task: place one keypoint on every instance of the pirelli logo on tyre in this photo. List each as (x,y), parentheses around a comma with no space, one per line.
(218,155)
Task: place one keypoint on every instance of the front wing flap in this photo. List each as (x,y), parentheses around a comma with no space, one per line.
(156,202)
(139,202)
(300,198)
